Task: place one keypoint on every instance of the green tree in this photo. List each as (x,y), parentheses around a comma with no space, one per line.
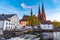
(56,24)
(33,20)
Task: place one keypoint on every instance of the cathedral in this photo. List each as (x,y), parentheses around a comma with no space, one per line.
(41,16)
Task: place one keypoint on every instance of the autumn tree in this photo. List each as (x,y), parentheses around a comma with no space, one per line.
(33,20)
(56,24)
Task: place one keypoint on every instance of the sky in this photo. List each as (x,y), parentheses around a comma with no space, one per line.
(23,7)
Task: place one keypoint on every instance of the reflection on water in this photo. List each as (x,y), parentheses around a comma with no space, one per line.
(24,37)
(29,37)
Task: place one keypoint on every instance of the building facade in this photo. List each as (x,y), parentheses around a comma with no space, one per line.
(23,22)
(41,15)
(9,21)
(46,25)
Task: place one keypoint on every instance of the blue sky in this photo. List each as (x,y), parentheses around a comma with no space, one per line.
(22,7)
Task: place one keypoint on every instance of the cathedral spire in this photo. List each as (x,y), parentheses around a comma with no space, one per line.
(31,12)
(39,9)
(43,13)
(42,8)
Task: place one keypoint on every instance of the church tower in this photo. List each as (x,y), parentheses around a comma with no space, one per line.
(39,14)
(31,12)
(43,13)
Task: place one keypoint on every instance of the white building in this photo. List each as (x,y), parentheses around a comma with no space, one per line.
(9,21)
(46,25)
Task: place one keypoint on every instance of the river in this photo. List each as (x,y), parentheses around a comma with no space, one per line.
(33,37)
(24,37)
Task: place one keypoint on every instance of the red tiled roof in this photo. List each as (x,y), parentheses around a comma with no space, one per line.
(25,17)
(46,22)
(22,20)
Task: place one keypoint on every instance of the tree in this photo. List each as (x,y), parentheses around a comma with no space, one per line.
(33,20)
(56,24)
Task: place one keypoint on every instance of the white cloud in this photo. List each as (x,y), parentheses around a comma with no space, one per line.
(10,10)
(25,6)
(55,1)
(54,15)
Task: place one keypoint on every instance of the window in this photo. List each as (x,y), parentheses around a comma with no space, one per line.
(44,26)
(6,23)
(14,24)
(9,26)
(48,26)
(9,23)
(6,27)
